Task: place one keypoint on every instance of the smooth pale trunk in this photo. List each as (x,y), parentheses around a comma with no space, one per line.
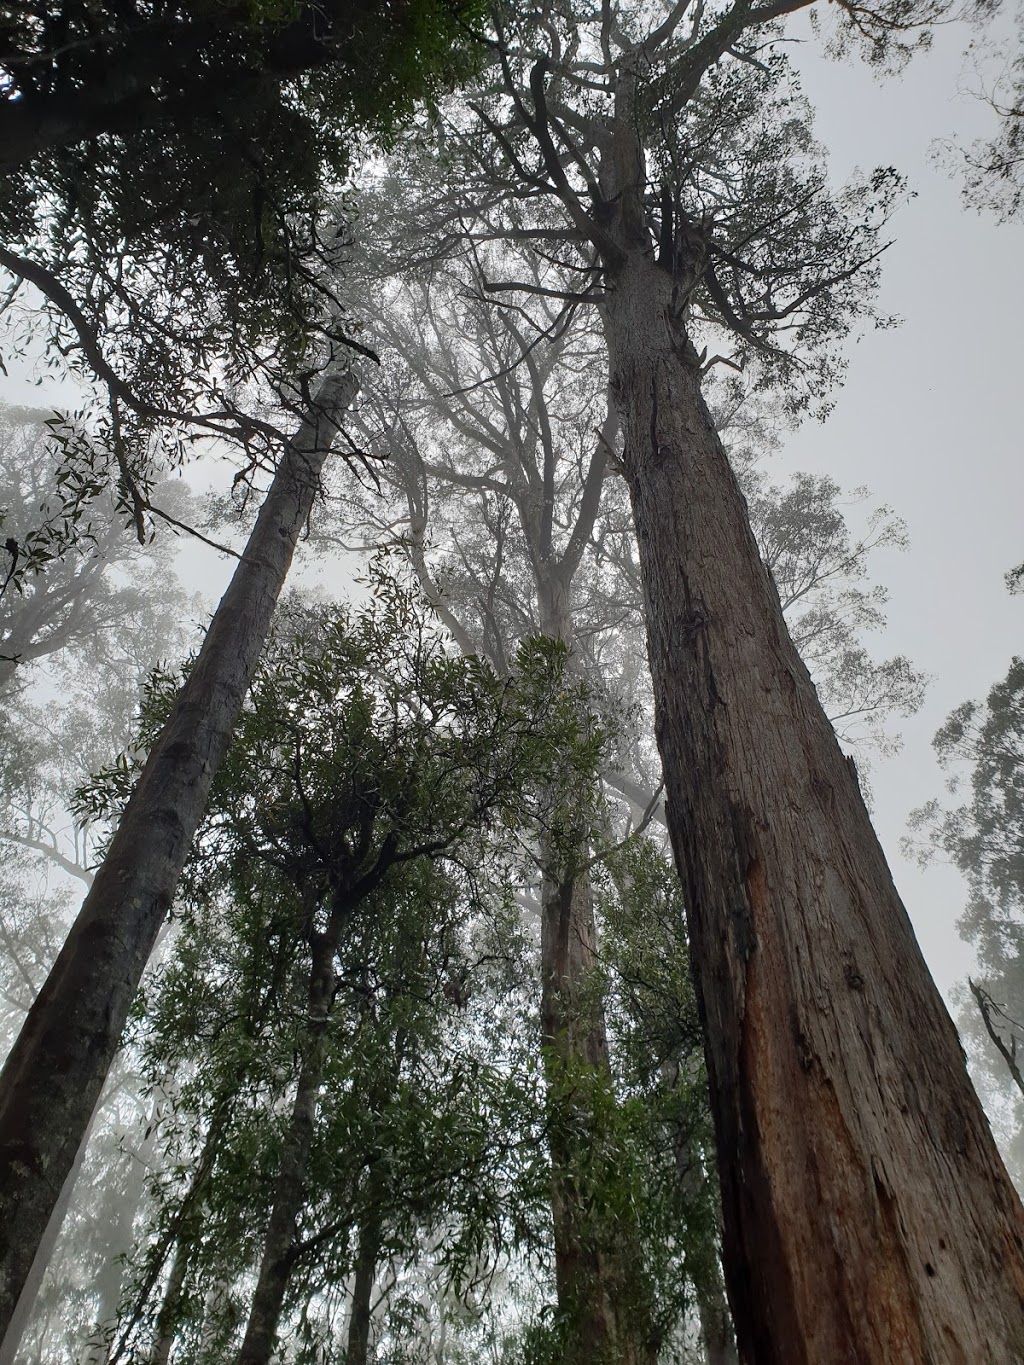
(868,1219)
(53,1077)
(167,1318)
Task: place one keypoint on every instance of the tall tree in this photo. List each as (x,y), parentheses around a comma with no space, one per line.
(862,1192)
(347,862)
(53,1076)
(505,496)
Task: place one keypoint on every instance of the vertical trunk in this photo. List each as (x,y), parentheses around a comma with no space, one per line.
(715,1323)
(706,1273)
(361,1317)
(53,1077)
(290,1190)
(867,1215)
(603,1297)
(593,1275)
(167,1318)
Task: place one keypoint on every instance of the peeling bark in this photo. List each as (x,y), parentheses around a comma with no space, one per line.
(55,1072)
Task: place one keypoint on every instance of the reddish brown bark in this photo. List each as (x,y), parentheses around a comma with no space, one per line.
(868,1216)
(55,1072)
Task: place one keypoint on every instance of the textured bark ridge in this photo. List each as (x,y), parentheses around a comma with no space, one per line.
(868,1216)
(53,1077)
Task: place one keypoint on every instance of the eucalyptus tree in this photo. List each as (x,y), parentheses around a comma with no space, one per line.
(504,491)
(55,1072)
(862,1192)
(90,619)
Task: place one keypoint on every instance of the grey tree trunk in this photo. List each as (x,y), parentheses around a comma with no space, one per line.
(276,1265)
(167,1318)
(603,1293)
(361,1318)
(868,1218)
(54,1075)
(22,1314)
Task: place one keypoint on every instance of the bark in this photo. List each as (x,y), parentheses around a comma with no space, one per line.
(598,1271)
(715,1323)
(53,1077)
(867,1215)
(361,1317)
(290,1190)
(22,1315)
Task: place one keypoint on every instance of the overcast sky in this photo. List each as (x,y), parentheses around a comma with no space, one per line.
(930,419)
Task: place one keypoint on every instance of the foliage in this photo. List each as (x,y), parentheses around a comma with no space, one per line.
(175,205)
(371,769)
(982,746)
(993,168)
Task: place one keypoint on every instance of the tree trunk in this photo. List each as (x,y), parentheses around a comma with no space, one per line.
(53,1077)
(22,1315)
(868,1218)
(167,1318)
(361,1318)
(290,1191)
(603,1296)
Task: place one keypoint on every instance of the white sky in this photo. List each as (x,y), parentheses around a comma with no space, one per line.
(930,420)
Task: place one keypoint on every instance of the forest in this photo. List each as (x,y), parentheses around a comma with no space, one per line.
(449,905)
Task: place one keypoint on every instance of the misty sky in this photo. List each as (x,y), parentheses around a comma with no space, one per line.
(930,419)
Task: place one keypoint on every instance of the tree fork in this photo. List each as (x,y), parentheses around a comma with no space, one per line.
(868,1216)
(55,1072)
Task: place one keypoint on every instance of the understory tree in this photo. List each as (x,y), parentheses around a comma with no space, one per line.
(342,913)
